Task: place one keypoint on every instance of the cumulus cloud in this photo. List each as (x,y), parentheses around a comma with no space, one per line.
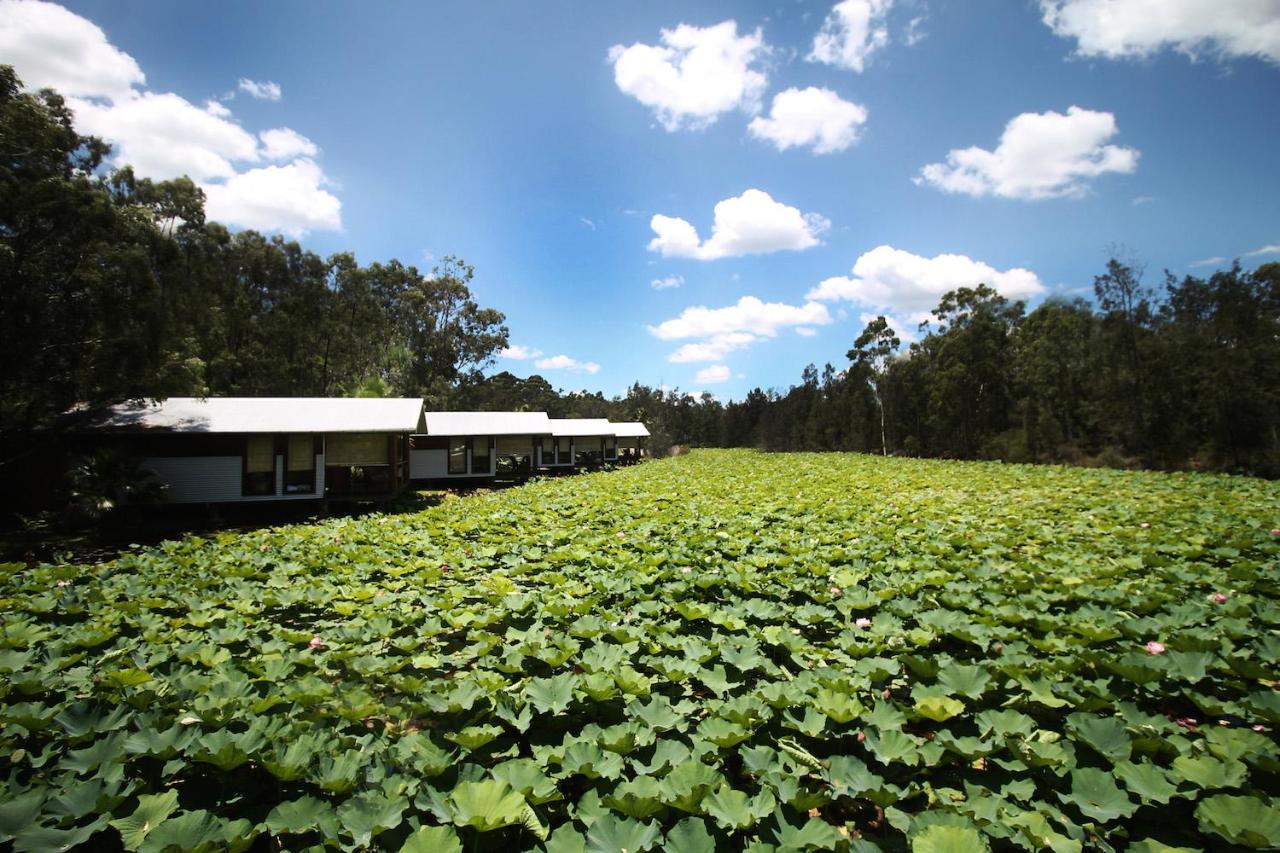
(1040,155)
(162,134)
(1118,29)
(518,352)
(695,74)
(52,47)
(283,143)
(288,198)
(667,282)
(806,331)
(900,282)
(750,224)
(564,362)
(714,332)
(713,374)
(851,33)
(813,117)
(264,91)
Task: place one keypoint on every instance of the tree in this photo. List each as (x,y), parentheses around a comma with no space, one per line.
(870,356)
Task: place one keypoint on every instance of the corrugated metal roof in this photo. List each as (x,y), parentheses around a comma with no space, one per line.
(488,423)
(630,429)
(580,426)
(267,414)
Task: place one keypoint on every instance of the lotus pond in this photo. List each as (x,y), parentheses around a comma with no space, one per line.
(723,651)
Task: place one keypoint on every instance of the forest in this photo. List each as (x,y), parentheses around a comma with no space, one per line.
(114,287)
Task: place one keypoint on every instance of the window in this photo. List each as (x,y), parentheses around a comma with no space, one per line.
(259,477)
(480,455)
(300,465)
(565,456)
(458,456)
(611,448)
(549,451)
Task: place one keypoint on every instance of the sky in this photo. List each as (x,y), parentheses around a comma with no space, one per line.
(703,196)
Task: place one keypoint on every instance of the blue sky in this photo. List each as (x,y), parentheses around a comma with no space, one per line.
(930,144)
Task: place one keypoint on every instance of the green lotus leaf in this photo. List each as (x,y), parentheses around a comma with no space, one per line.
(152,810)
(641,797)
(611,834)
(733,809)
(1148,781)
(369,814)
(304,814)
(432,839)
(967,680)
(1241,820)
(1207,772)
(486,805)
(838,706)
(689,836)
(474,737)
(1106,735)
(1096,795)
(939,708)
(551,695)
(198,832)
(948,839)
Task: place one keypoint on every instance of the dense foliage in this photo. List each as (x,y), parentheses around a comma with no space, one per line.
(112,287)
(727,650)
(1189,378)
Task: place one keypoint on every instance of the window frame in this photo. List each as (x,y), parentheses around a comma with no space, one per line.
(267,479)
(456,444)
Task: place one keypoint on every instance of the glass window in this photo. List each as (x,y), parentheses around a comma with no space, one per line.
(300,465)
(549,446)
(480,455)
(458,456)
(259,466)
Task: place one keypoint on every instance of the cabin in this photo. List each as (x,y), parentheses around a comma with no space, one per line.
(578,442)
(474,447)
(260,449)
(631,440)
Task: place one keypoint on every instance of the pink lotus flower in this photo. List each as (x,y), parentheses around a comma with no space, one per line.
(835,590)
(863,623)
(63,584)
(316,642)
(1146,525)
(1218,598)
(1259,728)
(1275,531)
(685,570)
(1155,648)
(1188,722)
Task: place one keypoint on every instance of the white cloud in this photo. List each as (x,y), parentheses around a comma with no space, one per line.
(1272,249)
(750,224)
(1118,29)
(915,31)
(812,116)
(52,47)
(283,143)
(518,352)
(851,33)
(1208,262)
(564,362)
(285,198)
(900,282)
(667,282)
(587,222)
(806,331)
(1040,155)
(713,374)
(162,135)
(695,75)
(264,91)
(718,331)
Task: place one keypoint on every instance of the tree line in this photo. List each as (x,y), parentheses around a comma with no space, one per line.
(114,287)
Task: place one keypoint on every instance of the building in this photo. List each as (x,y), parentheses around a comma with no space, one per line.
(631,440)
(477,446)
(578,442)
(246,449)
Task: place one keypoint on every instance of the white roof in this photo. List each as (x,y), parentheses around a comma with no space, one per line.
(631,429)
(580,426)
(268,414)
(488,423)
